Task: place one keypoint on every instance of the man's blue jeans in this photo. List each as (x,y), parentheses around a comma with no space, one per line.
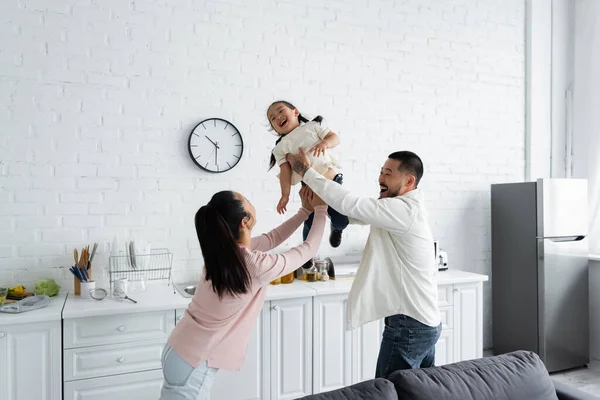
(406,344)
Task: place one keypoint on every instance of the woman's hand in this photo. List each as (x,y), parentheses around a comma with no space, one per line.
(305,194)
(319,149)
(315,200)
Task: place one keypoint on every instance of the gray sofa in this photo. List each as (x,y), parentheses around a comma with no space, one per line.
(519,375)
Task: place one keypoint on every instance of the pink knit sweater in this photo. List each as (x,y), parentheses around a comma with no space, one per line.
(217,330)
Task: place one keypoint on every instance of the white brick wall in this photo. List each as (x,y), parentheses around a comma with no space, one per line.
(97,100)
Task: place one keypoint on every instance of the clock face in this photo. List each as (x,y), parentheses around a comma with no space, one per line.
(215,145)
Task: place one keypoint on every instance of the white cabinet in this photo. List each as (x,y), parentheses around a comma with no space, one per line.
(365,350)
(115,357)
(291,348)
(444,348)
(251,382)
(141,385)
(332,344)
(31,353)
(468,317)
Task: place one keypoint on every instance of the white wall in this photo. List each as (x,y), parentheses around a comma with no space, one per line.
(586,135)
(97,99)
(550,52)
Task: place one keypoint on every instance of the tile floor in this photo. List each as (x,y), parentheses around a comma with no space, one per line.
(585,379)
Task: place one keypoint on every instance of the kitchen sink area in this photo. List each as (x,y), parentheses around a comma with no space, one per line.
(186,289)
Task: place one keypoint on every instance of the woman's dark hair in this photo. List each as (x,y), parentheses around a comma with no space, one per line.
(218,229)
(301,120)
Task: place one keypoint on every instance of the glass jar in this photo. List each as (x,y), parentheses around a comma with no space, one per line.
(321,266)
(313,274)
(289,278)
(301,274)
(276,281)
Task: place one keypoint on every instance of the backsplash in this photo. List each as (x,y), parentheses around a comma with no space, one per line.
(97,100)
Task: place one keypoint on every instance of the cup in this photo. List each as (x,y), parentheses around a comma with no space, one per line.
(122,284)
(86,287)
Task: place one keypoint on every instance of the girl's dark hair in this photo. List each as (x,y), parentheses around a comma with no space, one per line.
(301,120)
(218,229)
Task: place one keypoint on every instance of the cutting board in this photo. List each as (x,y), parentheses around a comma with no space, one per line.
(14,299)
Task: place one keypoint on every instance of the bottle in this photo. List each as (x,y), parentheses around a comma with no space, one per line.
(301,274)
(276,281)
(321,266)
(289,278)
(313,274)
(324,276)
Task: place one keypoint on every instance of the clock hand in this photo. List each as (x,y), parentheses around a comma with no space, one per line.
(216,145)
(216,156)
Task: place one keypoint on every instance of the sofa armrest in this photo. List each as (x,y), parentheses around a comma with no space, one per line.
(566,392)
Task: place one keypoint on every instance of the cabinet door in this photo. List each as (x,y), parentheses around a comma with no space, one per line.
(30,353)
(444,348)
(366,343)
(141,385)
(332,344)
(291,348)
(251,382)
(468,326)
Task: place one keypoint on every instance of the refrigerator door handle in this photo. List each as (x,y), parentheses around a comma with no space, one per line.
(564,238)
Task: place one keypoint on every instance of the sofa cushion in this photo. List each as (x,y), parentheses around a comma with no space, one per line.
(376,389)
(512,376)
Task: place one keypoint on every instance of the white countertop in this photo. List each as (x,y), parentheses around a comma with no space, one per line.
(452,276)
(52,312)
(159,297)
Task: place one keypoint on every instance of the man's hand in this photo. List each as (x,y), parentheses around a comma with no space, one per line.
(299,162)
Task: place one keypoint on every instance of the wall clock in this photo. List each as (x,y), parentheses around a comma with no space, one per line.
(215,145)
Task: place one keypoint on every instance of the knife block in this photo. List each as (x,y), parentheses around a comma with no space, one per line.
(77,284)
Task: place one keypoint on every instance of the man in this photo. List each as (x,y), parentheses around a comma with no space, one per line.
(396,279)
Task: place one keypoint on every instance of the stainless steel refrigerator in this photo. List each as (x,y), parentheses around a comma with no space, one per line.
(540,289)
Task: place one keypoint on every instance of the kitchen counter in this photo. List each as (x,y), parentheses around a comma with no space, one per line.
(452,276)
(52,312)
(159,297)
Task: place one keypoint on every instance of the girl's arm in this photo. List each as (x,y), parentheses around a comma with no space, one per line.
(330,141)
(285,182)
(268,241)
(272,266)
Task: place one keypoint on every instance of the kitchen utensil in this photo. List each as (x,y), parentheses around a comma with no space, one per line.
(122,284)
(93,252)
(86,288)
(118,293)
(98,294)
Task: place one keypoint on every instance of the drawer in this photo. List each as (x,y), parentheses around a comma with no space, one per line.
(116,359)
(141,385)
(112,329)
(445,296)
(447,316)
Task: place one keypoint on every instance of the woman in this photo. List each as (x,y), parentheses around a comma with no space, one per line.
(215,329)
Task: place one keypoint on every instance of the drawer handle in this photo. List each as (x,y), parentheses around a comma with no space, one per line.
(276,308)
(121,328)
(2,334)
(121,360)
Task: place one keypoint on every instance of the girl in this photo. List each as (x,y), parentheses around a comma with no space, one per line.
(314,137)
(216,327)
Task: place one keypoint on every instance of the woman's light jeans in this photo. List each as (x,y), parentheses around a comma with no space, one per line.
(182,381)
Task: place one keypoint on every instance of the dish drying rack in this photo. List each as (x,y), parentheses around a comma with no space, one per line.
(153,266)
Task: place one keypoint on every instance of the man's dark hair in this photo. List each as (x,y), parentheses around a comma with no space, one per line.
(409,163)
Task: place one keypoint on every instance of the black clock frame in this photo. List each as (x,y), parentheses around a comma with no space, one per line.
(192,155)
